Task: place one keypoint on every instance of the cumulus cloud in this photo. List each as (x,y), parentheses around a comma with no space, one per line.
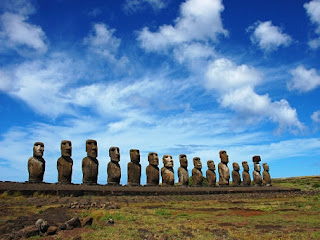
(268,37)
(131,6)
(303,80)
(313,11)
(199,20)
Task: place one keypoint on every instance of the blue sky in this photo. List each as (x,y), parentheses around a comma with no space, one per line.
(193,77)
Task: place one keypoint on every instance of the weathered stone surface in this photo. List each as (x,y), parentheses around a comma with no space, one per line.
(65,163)
(197,177)
(152,169)
(114,170)
(52,230)
(236,179)
(257,179)
(183,174)
(224,173)
(27,232)
(134,168)
(42,225)
(246,179)
(211,174)
(266,175)
(36,163)
(86,221)
(73,223)
(167,173)
(90,163)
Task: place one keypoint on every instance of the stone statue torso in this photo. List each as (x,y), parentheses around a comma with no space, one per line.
(114,173)
(90,170)
(36,168)
(257,180)
(183,176)
(211,177)
(266,178)
(64,166)
(152,175)
(197,177)
(236,180)
(224,174)
(246,178)
(167,176)
(134,173)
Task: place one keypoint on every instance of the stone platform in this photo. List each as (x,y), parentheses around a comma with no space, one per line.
(104,190)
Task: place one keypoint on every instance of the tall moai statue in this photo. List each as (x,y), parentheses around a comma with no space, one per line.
(197,177)
(114,170)
(152,169)
(65,163)
(167,173)
(134,168)
(224,174)
(266,175)
(36,164)
(246,179)
(236,179)
(183,174)
(211,174)
(90,163)
(257,179)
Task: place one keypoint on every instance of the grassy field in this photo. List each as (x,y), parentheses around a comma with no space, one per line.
(223,216)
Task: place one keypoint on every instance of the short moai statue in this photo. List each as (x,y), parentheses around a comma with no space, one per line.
(65,163)
(246,179)
(134,168)
(113,169)
(183,174)
(266,175)
(90,163)
(257,179)
(236,179)
(36,164)
(224,173)
(167,173)
(197,177)
(152,169)
(211,174)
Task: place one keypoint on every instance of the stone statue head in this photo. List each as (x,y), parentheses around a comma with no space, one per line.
(245,166)
(265,167)
(114,154)
(197,163)
(135,155)
(256,159)
(167,161)
(66,148)
(92,148)
(235,166)
(38,149)
(183,160)
(257,167)
(153,159)
(211,165)
(224,156)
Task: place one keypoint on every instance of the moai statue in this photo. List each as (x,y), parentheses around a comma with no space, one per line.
(152,169)
(65,163)
(210,174)
(167,171)
(183,170)
(197,177)
(36,164)
(257,179)
(90,163)
(236,180)
(224,174)
(266,175)
(114,170)
(134,168)
(245,174)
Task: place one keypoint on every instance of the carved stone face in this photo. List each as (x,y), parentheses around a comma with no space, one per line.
(211,165)
(66,148)
(167,161)
(235,166)
(92,148)
(265,166)
(197,163)
(153,159)
(38,149)
(257,167)
(135,155)
(245,166)
(224,156)
(114,154)
(183,160)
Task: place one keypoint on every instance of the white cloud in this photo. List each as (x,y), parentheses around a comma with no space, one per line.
(268,37)
(186,53)
(316,117)
(199,20)
(314,43)
(16,33)
(131,6)
(313,11)
(21,7)
(303,80)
